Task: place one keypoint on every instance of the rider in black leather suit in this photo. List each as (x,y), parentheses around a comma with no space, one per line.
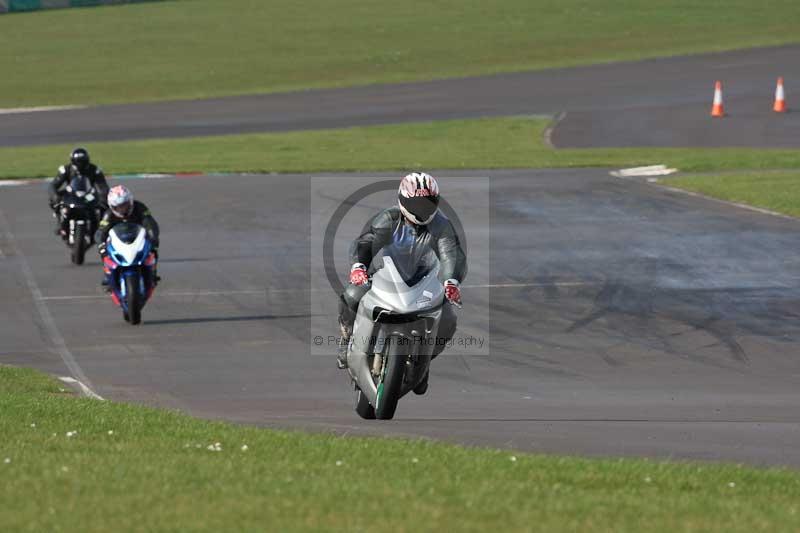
(418,200)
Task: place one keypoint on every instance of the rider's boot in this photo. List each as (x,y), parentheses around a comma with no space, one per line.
(156,277)
(59,227)
(422,386)
(105,283)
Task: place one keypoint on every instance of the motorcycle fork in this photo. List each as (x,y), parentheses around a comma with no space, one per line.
(378,348)
(378,365)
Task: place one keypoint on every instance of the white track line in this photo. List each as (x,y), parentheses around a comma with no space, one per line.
(14,183)
(260,292)
(40,109)
(59,344)
(84,389)
(530,285)
(652,170)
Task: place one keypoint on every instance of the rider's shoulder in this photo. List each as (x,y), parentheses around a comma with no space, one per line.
(62,170)
(439,223)
(387,217)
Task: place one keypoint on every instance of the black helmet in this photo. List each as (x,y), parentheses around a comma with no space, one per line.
(418,197)
(80,158)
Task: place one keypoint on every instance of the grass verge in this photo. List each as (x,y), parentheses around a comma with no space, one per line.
(203,48)
(484,143)
(778,191)
(130,468)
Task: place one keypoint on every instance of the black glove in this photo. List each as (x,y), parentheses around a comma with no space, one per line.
(101,249)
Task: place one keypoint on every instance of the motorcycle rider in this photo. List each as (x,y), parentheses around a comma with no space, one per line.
(79,164)
(417,207)
(123,208)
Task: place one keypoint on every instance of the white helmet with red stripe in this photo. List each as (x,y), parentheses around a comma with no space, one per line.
(418,197)
(120,200)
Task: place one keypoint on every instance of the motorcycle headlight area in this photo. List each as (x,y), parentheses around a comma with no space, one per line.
(115,255)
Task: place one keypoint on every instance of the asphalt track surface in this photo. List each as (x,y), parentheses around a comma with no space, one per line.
(658,102)
(624,319)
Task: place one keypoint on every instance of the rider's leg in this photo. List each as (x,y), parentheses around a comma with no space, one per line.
(447,329)
(156,277)
(59,224)
(106,281)
(348,306)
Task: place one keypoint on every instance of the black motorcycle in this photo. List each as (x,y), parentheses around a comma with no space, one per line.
(78,213)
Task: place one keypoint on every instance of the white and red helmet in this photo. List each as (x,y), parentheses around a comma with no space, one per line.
(418,197)
(120,200)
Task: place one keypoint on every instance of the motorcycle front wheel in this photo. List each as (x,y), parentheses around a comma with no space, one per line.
(79,245)
(133,299)
(390,387)
(363,407)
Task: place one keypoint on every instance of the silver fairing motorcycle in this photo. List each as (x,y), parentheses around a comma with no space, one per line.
(394,333)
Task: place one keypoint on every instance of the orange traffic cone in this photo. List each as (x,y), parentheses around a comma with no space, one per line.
(717,109)
(780,98)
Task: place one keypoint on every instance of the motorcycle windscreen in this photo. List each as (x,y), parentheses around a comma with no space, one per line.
(127,244)
(410,260)
(79,185)
(79,192)
(127,232)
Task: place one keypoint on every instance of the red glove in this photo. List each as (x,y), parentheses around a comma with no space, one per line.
(358,274)
(452,292)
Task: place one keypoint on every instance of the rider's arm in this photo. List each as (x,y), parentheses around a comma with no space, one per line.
(373,239)
(102,232)
(149,223)
(101,185)
(452,259)
(56,183)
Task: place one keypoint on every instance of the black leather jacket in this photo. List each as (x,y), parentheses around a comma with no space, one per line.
(439,234)
(65,174)
(139,215)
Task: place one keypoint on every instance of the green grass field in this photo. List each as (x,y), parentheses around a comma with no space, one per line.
(777,191)
(130,468)
(484,143)
(200,48)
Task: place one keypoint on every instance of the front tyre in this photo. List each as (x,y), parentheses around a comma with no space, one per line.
(390,387)
(133,299)
(363,407)
(79,245)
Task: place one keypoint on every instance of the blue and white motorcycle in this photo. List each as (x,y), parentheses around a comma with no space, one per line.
(130,268)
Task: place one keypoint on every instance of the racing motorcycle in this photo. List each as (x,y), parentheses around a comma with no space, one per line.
(394,333)
(130,265)
(78,213)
